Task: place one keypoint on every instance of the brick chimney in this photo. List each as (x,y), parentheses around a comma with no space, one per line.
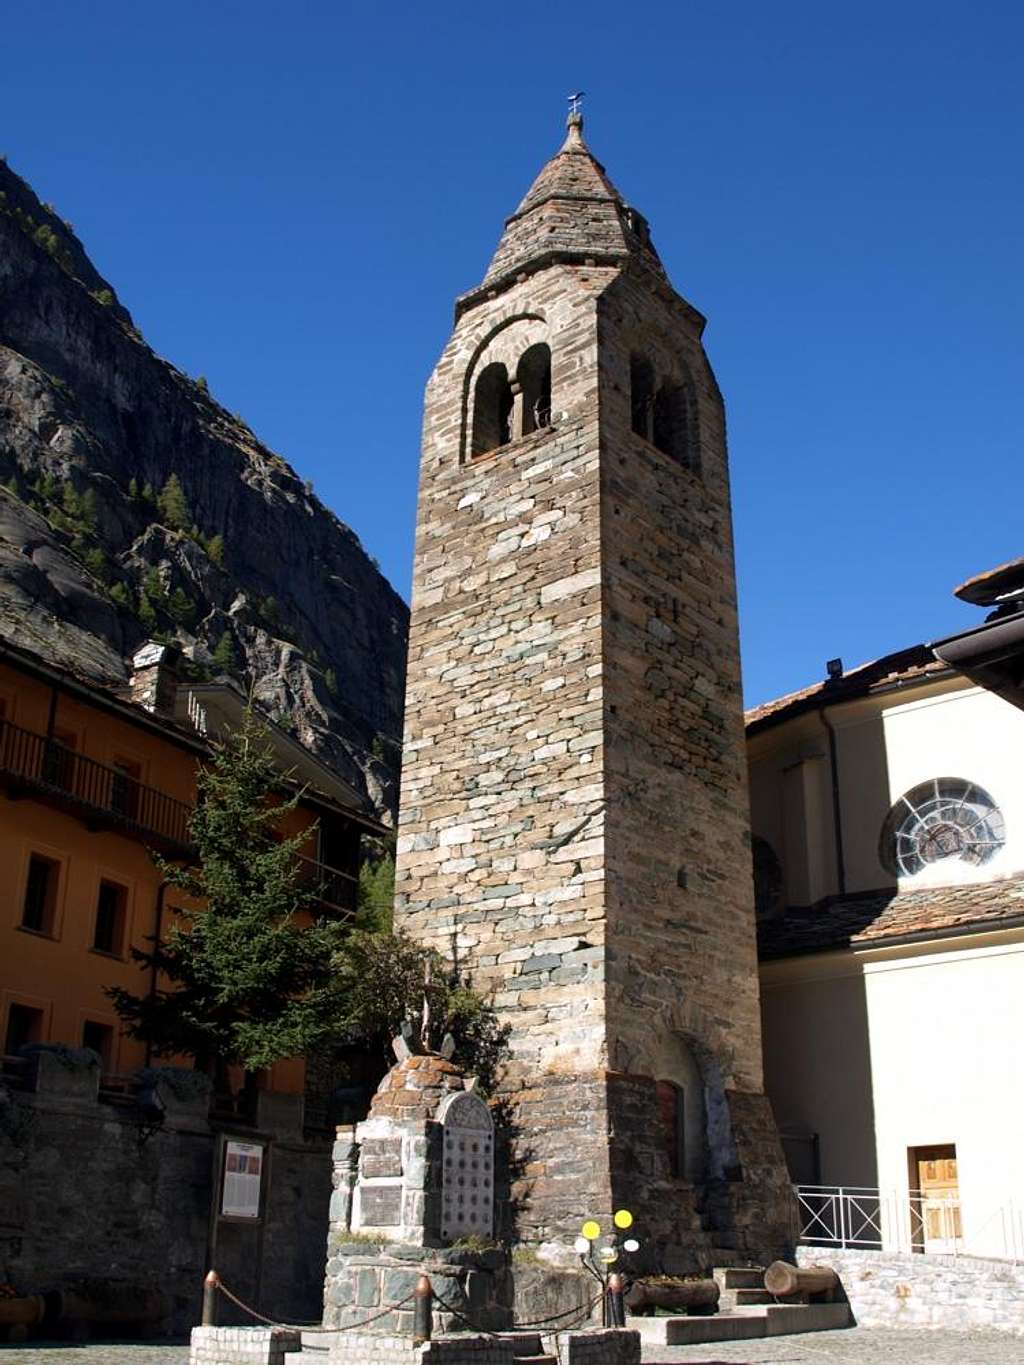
(154,682)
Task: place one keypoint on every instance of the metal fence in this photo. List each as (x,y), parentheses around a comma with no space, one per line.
(45,765)
(908,1221)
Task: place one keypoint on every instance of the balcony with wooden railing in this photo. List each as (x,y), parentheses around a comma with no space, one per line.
(104,797)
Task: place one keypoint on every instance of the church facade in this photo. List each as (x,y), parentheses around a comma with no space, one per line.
(574,828)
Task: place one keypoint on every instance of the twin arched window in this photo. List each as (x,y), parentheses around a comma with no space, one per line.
(505,409)
(664,414)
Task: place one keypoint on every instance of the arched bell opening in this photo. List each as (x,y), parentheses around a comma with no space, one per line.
(641,395)
(492,409)
(534,375)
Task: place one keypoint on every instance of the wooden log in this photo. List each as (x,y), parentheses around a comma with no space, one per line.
(102,1303)
(783,1280)
(695,1296)
(22,1312)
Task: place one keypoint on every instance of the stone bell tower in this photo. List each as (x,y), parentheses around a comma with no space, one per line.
(574,821)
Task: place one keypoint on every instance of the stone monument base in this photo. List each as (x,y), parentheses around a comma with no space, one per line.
(363,1280)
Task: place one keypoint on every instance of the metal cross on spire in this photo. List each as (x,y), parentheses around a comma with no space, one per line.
(574,101)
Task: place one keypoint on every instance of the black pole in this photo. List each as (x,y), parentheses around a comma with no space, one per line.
(616,1306)
(422,1311)
(210,1286)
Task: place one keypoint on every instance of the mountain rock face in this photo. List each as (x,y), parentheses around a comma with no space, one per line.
(132,505)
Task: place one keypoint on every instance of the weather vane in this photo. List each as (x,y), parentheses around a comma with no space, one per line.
(574,101)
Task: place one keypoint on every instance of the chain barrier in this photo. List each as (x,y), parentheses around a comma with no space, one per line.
(310,1326)
(577,1315)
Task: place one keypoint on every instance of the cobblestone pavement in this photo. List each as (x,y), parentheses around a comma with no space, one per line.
(93,1353)
(854,1346)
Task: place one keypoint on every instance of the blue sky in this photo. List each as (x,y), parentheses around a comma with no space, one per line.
(289,196)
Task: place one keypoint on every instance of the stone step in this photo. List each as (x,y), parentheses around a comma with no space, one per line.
(738,1277)
(772,1320)
(744,1297)
(525,1345)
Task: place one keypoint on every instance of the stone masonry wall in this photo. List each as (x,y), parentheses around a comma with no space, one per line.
(86,1194)
(503,748)
(681,951)
(574,818)
(364,1281)
(895,1289)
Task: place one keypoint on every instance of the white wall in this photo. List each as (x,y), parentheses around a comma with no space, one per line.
(885,746)
(920,1045)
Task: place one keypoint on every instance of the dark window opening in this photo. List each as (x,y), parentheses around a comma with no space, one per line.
(534,376)
(124,788)
(638,224)
(671,428)
(641,395)
(492,409)
(111,907)
(99,1037)
(59,760)
(672,1108)
(769,891)
(39,912)
(24,1026)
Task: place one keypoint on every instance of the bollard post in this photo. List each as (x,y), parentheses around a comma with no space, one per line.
(210,1287)
(616,1306)
(422,1311)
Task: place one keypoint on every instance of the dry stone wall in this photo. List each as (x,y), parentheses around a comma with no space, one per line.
(895,1289)
(88,1194)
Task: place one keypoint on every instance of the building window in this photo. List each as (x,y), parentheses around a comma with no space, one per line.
(39,911)
(59,760)
(943,820)
(24,1025)
(99,1037)
(111,915)
(769,894)
(675,424)
(641,395)
(492,409)
(534,376)
(125,787)
(672,1108)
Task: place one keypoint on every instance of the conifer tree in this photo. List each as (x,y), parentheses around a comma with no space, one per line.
(252,976)
(224,656)
(249,972)
(172,506)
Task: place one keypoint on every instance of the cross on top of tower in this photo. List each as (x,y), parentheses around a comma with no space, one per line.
(574,102)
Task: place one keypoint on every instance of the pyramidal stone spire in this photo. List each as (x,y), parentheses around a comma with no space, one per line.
(571,213)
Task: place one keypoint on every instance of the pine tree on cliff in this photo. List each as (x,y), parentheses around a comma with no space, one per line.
(172,505)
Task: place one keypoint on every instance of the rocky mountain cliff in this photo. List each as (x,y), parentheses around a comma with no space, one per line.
(134,506)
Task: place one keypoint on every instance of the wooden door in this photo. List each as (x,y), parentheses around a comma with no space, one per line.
(939,1194)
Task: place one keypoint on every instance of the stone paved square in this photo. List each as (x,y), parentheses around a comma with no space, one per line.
(853,1346)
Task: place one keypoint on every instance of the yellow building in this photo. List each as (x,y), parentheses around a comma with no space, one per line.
(90,781)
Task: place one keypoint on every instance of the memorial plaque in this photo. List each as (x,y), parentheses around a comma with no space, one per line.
(467,1191)
(380,1205)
